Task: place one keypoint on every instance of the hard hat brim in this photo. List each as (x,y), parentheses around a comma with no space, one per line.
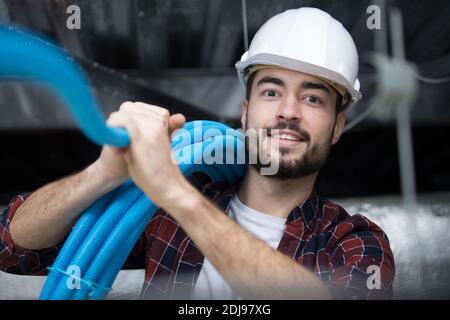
(311,69)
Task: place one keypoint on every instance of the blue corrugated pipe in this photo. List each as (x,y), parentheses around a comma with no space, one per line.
(101,253)
(107,231)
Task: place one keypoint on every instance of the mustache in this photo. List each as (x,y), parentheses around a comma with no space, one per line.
(290,126)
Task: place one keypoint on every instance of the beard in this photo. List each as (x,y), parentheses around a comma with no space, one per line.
(311,161)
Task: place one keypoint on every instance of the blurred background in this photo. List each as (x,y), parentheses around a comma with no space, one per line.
(180,54)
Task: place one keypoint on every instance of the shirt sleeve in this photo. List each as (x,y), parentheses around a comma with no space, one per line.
(17,260)
(362,263)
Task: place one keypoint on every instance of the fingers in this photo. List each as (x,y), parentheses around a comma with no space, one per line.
(149,128)
(156,109)
(176,121)
(122,120)
(140,111)
(117,119)
(143,108)
(173,122)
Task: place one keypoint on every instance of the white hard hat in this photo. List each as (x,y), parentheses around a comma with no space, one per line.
(308,40)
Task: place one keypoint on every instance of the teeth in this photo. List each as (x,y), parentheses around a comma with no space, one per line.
(285,137)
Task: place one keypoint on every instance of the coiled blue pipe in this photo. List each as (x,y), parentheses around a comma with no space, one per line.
(107,231)
(102,268)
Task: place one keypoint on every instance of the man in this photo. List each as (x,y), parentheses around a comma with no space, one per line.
(269,236)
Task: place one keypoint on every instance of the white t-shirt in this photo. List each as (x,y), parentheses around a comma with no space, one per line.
(270,229)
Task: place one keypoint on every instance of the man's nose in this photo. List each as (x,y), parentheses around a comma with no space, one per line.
(289,109)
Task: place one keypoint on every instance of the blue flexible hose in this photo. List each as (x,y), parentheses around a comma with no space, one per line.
(110,216)
(128,239)
(119,260)
(27,56)
(108,229)
(109,258)
(135,215)
(73,242)
(102,260)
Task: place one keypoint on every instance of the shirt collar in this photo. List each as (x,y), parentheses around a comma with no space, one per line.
(307,211)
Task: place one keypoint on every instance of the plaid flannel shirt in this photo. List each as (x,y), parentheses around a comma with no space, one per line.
(320,235)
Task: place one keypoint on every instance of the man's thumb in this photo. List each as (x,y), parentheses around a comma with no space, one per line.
(176,121)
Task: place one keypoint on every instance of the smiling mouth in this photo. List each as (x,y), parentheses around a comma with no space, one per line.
(287,138)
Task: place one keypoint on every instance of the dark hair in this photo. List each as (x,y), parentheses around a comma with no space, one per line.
(339,105)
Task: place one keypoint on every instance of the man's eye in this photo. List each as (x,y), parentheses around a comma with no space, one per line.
(313,99)
(270,93)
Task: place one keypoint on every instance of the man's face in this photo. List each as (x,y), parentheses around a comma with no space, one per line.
(302,108)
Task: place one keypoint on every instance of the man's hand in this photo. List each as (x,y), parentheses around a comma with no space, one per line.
(111,166)
(149,155)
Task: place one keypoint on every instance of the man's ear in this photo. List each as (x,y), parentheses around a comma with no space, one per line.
(339,127)
(244,114)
